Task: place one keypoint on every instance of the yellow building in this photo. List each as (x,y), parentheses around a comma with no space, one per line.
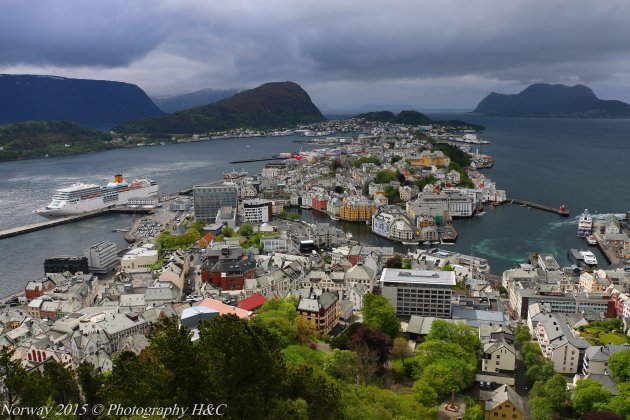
(356,210)
(427,158)
(503,403)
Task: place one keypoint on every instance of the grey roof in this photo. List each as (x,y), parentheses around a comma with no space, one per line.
(396,275)
(501,395)
(606,382)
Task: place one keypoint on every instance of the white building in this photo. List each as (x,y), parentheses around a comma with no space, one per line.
(418,292)
(102,257)
(139,260)
(257,211)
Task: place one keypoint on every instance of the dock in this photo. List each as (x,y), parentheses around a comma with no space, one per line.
(561,211)
(16,231)
(256,160)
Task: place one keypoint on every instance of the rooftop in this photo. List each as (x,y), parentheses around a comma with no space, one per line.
(396,275)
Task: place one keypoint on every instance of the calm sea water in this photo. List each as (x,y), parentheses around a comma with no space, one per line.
(579,163)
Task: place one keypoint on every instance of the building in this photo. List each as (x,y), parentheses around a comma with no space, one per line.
(498,357)
(226,216)
(320,309)
(356,209)
(63,264)
(418,292)
(503,403)
(257,210)
(208,199)
(102,257)
(274,170)
(139,260)
(459,204)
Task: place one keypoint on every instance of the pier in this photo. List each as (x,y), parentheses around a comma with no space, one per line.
(20,230)
(561,211)
(256,160)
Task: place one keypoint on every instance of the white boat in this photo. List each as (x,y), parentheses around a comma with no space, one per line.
(585,224)
(591,240)
(82,198)
(348,235)
(589,257)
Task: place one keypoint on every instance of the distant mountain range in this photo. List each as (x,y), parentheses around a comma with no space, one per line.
(272,105)
(545,100)
(404,117)
(94,103)
(415,118)
(181,101)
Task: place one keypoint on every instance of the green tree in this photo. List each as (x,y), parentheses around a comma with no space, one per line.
(341,364)
(322,395)
(13,377)
(425,393)
(227,232)
(620,403)
(432,350)
(90,383)
(245,365)
(619,364)
(246,230)
(446,375)
(64,388)
(406,263)
(378,313)
(457,332)
(588,393)
(540,408)
(171,352)
(522,334)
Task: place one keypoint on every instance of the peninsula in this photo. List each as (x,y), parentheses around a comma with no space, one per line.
(552,101)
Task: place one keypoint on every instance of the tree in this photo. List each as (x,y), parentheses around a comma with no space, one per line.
(246,230)
(64,388)
(556,392)
(172,353)
(619,404)
(227,232)
(446,375)
(406,263)
(522,334)
(374,339)
(90,383)
(341,364)
(14,377)
(401,349)
(245,365)
(338,189)
(378,313)
(425,393)
(394,262)
(322,396)
(432,350)
(458,333)
(619,364)
(587,393)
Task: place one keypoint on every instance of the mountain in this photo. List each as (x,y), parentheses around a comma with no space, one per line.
(181,101)
(545,100)
(95,103)
(32,139)
(272,105)
(404,117)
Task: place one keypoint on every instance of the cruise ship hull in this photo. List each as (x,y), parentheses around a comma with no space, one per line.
(107,199)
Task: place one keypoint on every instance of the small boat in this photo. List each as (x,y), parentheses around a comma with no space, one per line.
(348,235)
(591,240)
(480,213)
(589,257)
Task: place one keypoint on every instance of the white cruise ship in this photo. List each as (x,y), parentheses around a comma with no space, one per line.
(82,198)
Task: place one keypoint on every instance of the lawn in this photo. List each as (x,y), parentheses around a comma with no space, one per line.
(599,336)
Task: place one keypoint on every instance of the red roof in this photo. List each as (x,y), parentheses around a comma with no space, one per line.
(208,237)
(252,302)
(224,309)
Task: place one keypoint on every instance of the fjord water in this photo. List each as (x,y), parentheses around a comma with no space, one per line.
(579,163)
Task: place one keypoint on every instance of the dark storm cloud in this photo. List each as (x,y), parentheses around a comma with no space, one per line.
(175,45)
(76,32)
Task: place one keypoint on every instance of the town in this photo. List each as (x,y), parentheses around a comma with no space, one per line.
(237,247)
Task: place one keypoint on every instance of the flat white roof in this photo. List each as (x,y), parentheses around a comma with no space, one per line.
(397,275)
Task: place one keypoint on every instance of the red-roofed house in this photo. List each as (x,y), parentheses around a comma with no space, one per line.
(35,289)
(253,302)
(205,240)
(224,309)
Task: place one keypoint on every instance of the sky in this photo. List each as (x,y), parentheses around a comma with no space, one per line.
(347,54)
